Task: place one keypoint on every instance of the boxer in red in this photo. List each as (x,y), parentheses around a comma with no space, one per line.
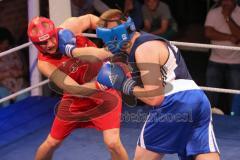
(94,106)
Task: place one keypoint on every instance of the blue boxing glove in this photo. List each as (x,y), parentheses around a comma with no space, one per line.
(66,42)
(112,75)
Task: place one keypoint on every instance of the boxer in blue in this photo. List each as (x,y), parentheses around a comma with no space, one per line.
(180,119)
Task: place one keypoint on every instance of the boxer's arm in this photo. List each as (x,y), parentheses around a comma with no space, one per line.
(79,24)
(67,46)
(91,54)
(64,81)
(152,91)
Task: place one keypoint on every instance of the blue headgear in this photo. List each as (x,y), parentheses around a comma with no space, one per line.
(117,38)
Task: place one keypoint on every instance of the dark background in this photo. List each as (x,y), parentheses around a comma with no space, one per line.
(189,14)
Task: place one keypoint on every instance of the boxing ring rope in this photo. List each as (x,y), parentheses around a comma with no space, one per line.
(211,89)
(15,49)
(207,46)
(220,90)
(23,91)
(185,44)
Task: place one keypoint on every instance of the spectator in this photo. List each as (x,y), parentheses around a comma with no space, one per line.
(82,7)
(133,8)
(24,53)
(222,27)
(115,4)
(158,19)
(11,68)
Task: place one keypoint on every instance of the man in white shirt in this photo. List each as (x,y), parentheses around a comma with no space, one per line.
(222,27)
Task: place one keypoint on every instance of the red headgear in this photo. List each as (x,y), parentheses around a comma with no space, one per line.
(40,29)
